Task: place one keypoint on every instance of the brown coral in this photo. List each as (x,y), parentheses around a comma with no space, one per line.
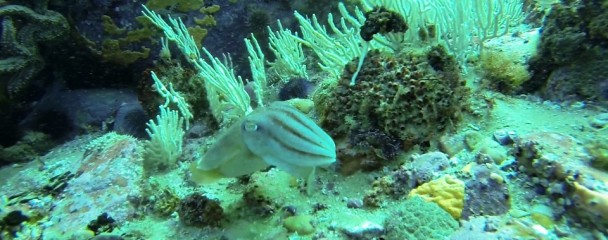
(198,210)
(413,97)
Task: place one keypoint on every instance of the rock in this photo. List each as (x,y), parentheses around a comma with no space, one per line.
(486,193)
(451,145)
(107,176)
(496,154)
(425,167)
(471,139)
(550,155)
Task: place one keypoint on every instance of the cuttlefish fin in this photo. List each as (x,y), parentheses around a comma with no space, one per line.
(200,176)
(234,165)
(228,146)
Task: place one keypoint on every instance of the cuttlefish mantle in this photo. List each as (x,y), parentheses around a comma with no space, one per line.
(278,135)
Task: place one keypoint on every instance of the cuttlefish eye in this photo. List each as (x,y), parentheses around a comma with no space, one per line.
(250,126)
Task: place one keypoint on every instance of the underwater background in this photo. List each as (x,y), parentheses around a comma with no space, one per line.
(355,119)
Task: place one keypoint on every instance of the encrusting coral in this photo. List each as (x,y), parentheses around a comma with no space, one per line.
(411,98)
(20,58)
(501,72)
(598,149)
(595,202)
(420,219)
(414,97)
(198,210)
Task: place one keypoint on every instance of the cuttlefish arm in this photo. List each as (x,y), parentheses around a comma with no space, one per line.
(228,157)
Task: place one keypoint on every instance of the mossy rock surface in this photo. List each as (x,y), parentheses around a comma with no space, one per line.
(413,97)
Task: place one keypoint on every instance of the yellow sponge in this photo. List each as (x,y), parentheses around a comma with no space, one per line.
(447,192)
(593,201)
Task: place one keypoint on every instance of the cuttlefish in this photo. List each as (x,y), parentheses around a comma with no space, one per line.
(277,135)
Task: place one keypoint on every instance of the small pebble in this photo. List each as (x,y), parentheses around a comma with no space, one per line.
(107,237)
(491,226)
(290,210)
(513,135)
(364,230)
(578,105)
(599,121)
(540,230)
(301,224)
(318,207)
(502,137)
(562,231)
(354,203)
(497,178)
